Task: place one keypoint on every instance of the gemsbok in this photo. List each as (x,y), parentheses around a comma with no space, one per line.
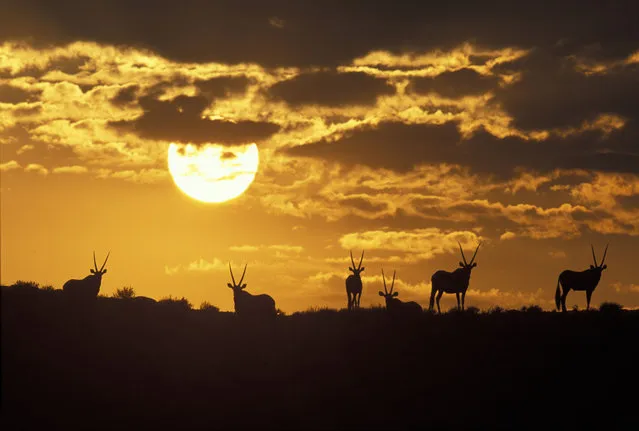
(89,286)
(393,305)
(248,305)
(452,282)
(354,283)
(583,280)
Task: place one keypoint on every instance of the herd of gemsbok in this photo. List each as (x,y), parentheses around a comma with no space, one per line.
(456,282)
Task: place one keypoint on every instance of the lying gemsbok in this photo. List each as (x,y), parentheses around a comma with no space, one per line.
(89,286)
(248,305)
(584,280)
(452,282)
(393,305)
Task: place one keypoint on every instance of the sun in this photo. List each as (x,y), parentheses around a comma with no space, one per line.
(213,173)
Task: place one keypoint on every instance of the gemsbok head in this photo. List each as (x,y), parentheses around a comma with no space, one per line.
(452,282)
(393,305)
(247,305)
(583,280)
(89,286)
(354,283)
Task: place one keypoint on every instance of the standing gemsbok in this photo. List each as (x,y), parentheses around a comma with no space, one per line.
(248,305)
(393,305)
(584,280)
(452,282)
(89,286)
(354,283)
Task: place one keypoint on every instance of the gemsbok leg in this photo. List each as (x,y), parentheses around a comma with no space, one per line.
(563,299)
(439,296)
(458,303)
(463,298)
(588,296)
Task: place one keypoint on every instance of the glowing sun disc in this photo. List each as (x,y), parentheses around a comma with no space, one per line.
(213,173)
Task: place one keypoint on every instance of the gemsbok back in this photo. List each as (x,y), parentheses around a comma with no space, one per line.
(354,283)
(89,286)
(452,282)
(393,305)
(247,305)
(580,280)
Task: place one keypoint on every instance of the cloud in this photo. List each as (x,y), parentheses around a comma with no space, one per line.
(70,170)
(419,244)
(199,265)
(223,86)
(142,176)
(181,120)
(552,92)
(455,84)
(402,147)
(37,168)
(326,33)
(9,166)
(14,95)
(331,89)
(507,235)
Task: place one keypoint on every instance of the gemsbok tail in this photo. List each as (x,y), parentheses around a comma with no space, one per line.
(558,296)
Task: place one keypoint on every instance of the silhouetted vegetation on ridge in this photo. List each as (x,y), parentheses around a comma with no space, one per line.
(127,364)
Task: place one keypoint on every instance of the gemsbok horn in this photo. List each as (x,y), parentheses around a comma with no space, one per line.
(580,280)
(393,305)
(89,286)
(354,283)
(452,282)
(248,305)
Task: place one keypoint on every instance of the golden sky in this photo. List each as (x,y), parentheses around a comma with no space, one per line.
(400,144)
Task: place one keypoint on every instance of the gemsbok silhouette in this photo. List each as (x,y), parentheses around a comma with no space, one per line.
(89,286)
(248,305)
(354,283)
(393,305)
(580,280)
(452,282)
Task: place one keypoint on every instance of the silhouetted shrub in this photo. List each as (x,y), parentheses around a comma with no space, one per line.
(496,309)
(473,310)
(610,307)
(126,292)
(21,284)
(175,303)
(47,288)
(207,306)
(532,309)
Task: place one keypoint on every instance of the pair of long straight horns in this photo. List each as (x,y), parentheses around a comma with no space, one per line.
(233,278)
(392,283)
(464,257)
(602,259)
(96,264)
(360,260)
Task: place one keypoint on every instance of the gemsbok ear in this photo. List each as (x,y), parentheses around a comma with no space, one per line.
(461,264)
(229,285)
(592,267)
(93,271)
(381,293)
(604,267)
(395,294)
(243,286)
(351,269)
(363,268)
(474,264)
(104,272)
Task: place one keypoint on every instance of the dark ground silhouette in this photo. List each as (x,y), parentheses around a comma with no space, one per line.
(124,364)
